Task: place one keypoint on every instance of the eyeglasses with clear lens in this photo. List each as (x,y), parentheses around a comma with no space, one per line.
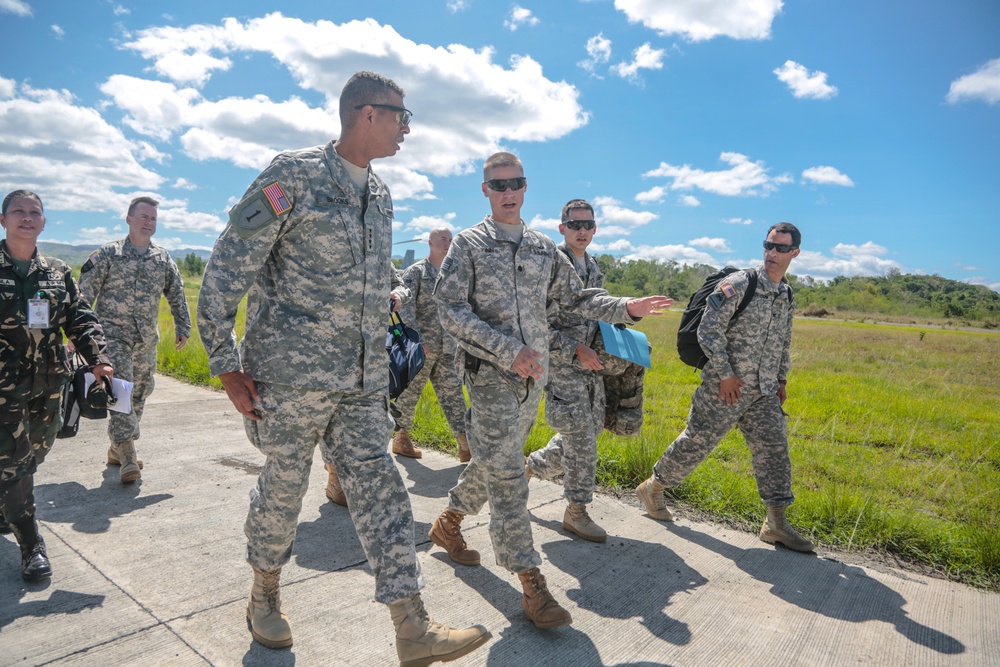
(780,247)
(501,184)
(403,115)
(577,225)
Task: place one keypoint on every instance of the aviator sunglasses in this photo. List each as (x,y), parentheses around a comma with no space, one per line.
(501,184)
(577,225)
(780,247)
(403,116)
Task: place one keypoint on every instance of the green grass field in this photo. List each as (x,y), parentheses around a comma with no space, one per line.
(894,434)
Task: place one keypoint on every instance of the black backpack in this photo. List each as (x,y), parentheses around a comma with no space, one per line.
(688,347)
(406,354)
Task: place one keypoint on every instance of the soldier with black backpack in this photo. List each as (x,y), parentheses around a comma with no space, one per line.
(745,363)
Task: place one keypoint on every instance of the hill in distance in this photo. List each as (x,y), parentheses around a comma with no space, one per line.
(76,255)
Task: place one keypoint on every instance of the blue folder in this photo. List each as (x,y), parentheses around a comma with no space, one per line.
(626,343)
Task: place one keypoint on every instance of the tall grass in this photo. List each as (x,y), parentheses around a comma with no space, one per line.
(894,436)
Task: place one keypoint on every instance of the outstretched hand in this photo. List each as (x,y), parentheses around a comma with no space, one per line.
(646,306)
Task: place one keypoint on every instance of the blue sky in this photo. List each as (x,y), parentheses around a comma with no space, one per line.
(692,125)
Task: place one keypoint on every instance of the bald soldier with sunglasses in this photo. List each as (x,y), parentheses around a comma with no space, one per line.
(493,291)
(743,384)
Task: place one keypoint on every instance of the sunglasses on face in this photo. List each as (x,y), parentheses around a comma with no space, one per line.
(780,247)
(501,184)
(577,225)
(403,116)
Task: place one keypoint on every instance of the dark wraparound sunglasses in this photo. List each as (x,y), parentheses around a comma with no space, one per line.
(780,247)
(577,225)
(402,115)
(501,184)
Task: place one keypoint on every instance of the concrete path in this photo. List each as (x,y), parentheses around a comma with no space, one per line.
(154,574)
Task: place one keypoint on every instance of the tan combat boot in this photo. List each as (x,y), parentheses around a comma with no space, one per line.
(268,624)
(402,445)
(650,492)
(776,529)
(113,459)
(539,605)
(128,461)
(447,534)
(576,520)
(464,454)
(420,641)
(333,490)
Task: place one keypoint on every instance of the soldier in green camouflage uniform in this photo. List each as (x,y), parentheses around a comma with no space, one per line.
(310,241)
(39,302)
(439,348)
(124,280)
(574,395)
(492,294)
(743,384)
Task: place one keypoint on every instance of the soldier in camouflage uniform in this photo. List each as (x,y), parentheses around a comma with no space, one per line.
(39,302)
(743,384)
(492,294)
(574,395)
(124,280)
(439,348)
(311,241)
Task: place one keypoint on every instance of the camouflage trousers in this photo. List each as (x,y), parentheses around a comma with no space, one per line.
(762,422)
(351,430)
(497,424)
(23,445)
(135,362)
(439,369)
(574,406)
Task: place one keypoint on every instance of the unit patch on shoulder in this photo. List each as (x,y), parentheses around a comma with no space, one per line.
(728,290)
(252,218)
(89,264)
(276,197)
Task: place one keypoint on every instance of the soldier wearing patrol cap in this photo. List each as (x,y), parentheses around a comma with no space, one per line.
(439,348)
(311,241)
(39,302)
(574,394)
(124,280)
(492,293)
(743,384)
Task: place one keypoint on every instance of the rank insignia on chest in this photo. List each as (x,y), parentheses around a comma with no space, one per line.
(276,197)
(728,290)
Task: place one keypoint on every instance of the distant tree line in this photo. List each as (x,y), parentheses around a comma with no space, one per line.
(892,294)
(192,265)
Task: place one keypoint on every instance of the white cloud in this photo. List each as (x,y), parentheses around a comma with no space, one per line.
(428,223)
(688,200)
(465,105)
(7,88)
(58,31)
(545,224)
(677,253)
(118,10)
(184,184)
(827,176)
(518,17)
(645,57)
(457,5)
(983,84)
(802,83)
(598,52)
(980,280)
(866,259)
(744,178)
(613,218)
(716,244)
(653,195)
(738,221)
(704,19)
(16,7)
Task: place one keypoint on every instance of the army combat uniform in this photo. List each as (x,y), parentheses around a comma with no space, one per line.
(124,283)
(574,399)
(314,253)
(753,346)
(439,365)
(34,366)
(492,295)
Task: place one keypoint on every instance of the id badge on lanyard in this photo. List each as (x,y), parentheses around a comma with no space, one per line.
(38,312)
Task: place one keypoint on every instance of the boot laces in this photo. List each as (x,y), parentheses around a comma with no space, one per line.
(541,589)
(271,589)
(451,522)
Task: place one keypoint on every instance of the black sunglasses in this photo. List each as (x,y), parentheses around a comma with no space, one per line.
(501,184)
(577,225)
(402,115)
(780,247)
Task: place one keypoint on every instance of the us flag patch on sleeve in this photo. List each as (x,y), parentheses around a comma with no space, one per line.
(728,290)
(276,197)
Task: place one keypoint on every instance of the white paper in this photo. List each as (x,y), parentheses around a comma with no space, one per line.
(122,389)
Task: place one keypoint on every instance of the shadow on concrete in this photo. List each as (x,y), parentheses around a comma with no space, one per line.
(91,510)
(12,588)
(329,543)
(428,482)
(258,655)
(827,587)
(654,575)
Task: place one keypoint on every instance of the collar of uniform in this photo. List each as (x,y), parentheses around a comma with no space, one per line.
(5,259)
(569,253)
(764,282)
(128,247)
(340,175)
